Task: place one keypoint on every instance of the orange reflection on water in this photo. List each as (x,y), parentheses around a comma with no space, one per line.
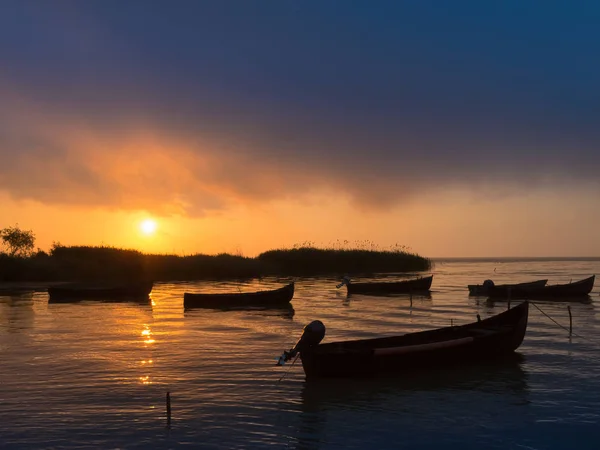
(148,335)
(145,380)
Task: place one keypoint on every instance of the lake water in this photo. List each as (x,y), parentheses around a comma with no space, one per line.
(95,375)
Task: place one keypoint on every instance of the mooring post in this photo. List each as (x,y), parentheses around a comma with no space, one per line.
(411,298)
(168,409)
(570,320)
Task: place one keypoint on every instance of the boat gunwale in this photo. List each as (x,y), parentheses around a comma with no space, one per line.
(390,283)
(223,295)
(524,284)
(573,290)
(364,344)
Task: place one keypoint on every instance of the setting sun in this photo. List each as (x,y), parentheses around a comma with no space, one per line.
(148,226)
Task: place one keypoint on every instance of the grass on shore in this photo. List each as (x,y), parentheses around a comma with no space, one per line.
(80,263)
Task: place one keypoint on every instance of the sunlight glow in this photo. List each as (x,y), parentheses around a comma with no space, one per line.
(148,226)
(147,335)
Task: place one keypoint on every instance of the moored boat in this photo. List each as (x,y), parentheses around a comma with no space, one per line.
(487,339)
(100,291)
(570,291)
(483,289)
(274,298)
(415,285)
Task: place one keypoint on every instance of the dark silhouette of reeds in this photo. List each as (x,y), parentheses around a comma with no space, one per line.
(318,261)
(84,263)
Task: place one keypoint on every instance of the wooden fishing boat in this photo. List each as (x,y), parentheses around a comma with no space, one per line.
(570,291)
(273,298)
(415,285)
(10,289)
(487,339)
(483,289)
(100,291)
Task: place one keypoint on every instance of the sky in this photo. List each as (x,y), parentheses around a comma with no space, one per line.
(457,129)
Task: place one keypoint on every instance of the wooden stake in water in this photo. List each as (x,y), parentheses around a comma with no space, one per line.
(168,410)
(570,320)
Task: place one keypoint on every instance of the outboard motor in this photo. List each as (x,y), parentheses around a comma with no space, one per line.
(312,335)
(345,281)
(488,284)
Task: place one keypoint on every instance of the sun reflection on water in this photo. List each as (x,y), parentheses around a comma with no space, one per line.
(147,334)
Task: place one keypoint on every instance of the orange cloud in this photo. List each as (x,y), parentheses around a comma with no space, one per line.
(140,160)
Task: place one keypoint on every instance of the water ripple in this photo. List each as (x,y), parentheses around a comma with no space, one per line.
(95,375)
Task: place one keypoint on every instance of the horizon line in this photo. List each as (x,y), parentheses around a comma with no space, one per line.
(498,258)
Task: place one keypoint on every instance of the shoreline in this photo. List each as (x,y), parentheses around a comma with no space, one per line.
(94,264)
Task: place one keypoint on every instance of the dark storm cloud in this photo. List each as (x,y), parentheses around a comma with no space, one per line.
(259,100)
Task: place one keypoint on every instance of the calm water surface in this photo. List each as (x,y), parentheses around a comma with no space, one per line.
(95,375)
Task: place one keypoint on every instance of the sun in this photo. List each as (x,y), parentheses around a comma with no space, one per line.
(148,226)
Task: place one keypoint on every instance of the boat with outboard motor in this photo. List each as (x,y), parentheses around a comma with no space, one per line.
(574,291)
(484,289)
(482,340)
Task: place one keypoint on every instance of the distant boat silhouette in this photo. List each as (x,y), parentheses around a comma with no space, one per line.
(575,291)
(276,297)
(415,285)
(100,291)
(483,289)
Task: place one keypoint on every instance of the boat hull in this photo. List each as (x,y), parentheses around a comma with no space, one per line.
(274,298)
(82,291)
(418,285)
(578,290)
(492,338)
(482,290)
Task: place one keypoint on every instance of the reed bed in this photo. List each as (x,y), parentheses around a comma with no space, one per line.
(81,263)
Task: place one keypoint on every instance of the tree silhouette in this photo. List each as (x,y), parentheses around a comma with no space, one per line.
(18,242)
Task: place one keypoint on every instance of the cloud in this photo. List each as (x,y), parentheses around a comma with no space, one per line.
(193,107)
